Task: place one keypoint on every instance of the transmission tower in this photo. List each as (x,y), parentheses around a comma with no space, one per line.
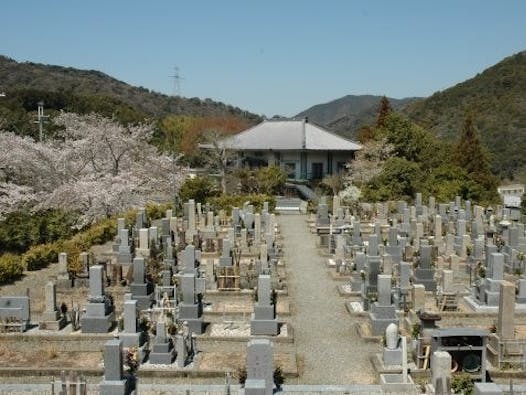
(177,81)
(41,118)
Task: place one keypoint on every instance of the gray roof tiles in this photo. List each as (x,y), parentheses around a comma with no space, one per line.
(289,135)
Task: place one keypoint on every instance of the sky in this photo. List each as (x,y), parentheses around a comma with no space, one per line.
(273,56)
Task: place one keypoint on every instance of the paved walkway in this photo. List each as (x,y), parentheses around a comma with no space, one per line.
(328,347)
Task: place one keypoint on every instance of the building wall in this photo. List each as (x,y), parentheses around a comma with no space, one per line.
(300,165)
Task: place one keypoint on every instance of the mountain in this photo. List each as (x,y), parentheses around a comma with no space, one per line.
(346,114)
(60,83)
(496,99)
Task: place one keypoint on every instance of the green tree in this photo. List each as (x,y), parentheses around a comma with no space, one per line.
(470,155)
(383,111)
(399,179)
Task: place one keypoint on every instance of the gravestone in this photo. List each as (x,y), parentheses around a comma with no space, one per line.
(392,352)
(257,228)
(424,273)
(141,289)
(162,352)
(322,215)
(180,350)
(99,315)
(63,280)
(441,372)
(506,322)
(382,312)
(260,368)
(131,335)
(226,253)
(113,382)
(191,308)
(124,255)
(264,320)
(189,260)
(144,243)
(52,319)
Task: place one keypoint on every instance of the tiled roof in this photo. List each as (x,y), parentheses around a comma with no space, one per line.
(289,135)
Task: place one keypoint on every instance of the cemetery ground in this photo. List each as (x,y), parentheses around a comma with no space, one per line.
(323,330)
(338,296)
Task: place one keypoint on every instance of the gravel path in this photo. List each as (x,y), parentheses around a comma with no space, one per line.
(328,347)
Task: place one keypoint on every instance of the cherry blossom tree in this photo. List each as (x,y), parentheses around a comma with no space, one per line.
(94,165)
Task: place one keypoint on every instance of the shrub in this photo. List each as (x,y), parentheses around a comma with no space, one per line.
(11,268)
(41,256)
(199,188)
(462,383)
(155,211)
(226,202)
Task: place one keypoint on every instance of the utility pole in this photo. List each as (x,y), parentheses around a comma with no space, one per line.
(41,118)
(177,81)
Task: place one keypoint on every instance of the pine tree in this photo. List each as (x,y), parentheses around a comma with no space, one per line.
(383,111)
(469,152)
(471,155)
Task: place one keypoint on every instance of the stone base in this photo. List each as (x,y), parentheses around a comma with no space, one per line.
(264,312)
(392,357)
(143,302)
(133,339)
(161,358)
(114,387)
(188,311)
(97,324)
(264,327)
(195,325)
(53,325)
(256,387)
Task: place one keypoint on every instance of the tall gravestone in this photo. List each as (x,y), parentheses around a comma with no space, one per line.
(260,368)
(141,289)
(131,335)
(99,315)
(162,352)
(424,273)
(124,253)
(191,307)
(52,319)
(264,320)
(114,382)
(382,312)
(226,254)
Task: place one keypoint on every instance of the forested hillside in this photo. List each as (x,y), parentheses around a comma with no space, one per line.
(347,114)
(496,101)
(85,91)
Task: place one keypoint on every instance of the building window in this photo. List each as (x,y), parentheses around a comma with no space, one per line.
(290,169)
(317,171)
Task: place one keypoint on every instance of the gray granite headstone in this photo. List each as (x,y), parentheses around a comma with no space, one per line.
(260,368)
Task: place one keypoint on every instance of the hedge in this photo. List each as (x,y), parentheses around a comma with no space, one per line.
(11,268)
(226,202)
(41,256)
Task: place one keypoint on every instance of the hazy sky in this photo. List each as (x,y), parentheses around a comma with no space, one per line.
(270,57)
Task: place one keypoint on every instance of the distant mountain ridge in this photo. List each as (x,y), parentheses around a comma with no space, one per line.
(346,114)
(34,76)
